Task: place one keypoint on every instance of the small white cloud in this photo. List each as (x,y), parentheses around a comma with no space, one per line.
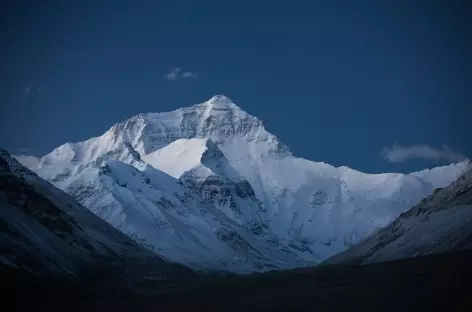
(31,162)
(31,91)
(188,75)
(25,149)
(177,74)
(173,74)
(398,153)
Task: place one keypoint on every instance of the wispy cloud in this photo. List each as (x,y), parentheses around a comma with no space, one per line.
(186,75)
(179,74)
(29,92)
(28,161)
(399,153)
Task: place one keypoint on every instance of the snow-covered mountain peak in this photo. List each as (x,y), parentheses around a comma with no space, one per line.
(219,119)
(221,105)
(221,101)
(223,159)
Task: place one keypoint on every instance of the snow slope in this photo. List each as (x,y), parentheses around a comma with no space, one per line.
(217,151)
(46,232)
(202,167)
(442,222)
(163,214)
(178,157)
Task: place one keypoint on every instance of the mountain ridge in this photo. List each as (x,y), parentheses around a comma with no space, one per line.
(440,223)
(43,231)
(308,210)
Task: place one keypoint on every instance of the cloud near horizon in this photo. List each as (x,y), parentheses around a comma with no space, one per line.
(178,74)
(399,153)
(28,161)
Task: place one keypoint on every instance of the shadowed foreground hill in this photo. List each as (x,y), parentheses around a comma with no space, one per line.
(46,235)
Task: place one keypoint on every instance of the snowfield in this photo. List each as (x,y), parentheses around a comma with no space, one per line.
(207,186)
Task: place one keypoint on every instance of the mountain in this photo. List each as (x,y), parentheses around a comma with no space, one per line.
(46,233)
(201,166)
(178,222)
(440,223)
(212,173)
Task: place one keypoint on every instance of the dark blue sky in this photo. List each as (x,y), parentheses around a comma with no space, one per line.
(337,81)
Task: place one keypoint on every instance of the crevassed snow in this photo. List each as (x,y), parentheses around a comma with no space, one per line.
(311,208)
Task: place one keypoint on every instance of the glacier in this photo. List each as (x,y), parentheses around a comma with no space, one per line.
(209,187)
